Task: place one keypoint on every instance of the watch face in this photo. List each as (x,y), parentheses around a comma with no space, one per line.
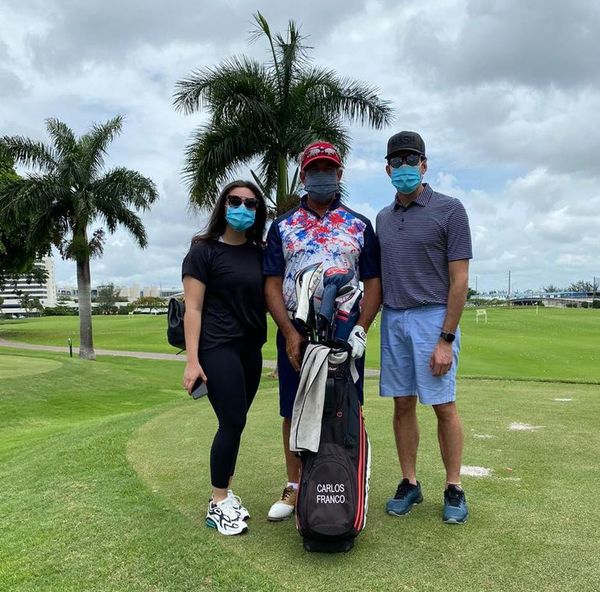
(449,337)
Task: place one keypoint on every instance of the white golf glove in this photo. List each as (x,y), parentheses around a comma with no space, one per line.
(357,341)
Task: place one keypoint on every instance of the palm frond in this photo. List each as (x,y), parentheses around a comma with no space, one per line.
(325,92)
(94,144)
(30,196)
(293,55)
(268,169)
(294,183)
(238,83)
(30,153)
(261,185)
(214,154)
(263,28)
(63,138)
(124,186)
(114,213)
(96,243)
(360,102)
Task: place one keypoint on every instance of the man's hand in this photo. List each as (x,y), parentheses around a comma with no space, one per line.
(441,358)
(293,348)
(357,341)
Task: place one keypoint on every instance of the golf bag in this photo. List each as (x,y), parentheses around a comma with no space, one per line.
(332,499)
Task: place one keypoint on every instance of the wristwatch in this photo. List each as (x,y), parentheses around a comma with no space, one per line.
(449,337)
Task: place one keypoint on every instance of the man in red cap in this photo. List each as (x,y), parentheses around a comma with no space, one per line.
(321,229)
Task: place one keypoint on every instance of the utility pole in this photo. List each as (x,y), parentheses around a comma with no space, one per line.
(476,277)
(508,288)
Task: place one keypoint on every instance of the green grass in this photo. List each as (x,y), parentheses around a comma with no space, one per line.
(525,343)
(104,473)
(146,333)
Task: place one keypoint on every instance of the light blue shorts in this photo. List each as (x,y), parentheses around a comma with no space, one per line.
(408,338)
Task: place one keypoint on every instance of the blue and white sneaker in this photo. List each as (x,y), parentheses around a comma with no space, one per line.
(407,495)
(237,502)
(225,517)
(455,505)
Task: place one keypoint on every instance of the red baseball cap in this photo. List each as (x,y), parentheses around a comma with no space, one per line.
(319,151)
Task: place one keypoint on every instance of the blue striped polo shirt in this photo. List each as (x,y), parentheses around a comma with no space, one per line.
(416,244)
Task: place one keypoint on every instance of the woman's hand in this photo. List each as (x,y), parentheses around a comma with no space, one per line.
(192,372)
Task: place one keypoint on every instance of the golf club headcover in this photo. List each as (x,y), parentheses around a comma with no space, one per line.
(307,280)
(336,282)
(348,311)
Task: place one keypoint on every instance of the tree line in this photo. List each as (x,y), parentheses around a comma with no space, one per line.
(578,286)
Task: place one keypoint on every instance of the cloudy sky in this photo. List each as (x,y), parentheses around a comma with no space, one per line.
(505,93)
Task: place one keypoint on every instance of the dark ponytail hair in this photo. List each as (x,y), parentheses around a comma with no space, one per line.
(217,223)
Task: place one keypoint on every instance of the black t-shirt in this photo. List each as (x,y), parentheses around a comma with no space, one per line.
(234,301)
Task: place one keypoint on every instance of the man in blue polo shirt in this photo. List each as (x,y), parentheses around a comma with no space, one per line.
(320,230)
(425,250)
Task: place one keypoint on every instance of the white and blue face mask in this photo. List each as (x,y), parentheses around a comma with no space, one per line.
(322,186)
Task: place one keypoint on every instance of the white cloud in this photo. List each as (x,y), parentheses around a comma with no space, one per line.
(506,95)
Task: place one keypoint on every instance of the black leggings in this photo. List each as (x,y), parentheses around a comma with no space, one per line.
(233,372)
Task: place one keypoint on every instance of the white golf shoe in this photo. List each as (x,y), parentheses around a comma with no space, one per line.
(284,508)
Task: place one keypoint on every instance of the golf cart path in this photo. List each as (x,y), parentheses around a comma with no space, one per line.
(126,354)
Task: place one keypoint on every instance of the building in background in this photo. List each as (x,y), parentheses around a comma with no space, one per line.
(25,285)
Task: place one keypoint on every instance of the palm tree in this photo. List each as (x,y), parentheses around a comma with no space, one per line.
(17,255)
(268,112)
(68,192)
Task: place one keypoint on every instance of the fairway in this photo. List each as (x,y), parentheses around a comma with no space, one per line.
(104,469)
(517,343)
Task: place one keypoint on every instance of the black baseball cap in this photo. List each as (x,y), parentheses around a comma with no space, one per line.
(405,142)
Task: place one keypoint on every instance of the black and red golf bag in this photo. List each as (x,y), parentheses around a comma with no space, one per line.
(332,500)
(331,506)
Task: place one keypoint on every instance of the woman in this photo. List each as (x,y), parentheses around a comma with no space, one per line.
(225,328)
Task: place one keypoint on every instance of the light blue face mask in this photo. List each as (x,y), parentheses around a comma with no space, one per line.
(240,218)
(406,178)
(321,186)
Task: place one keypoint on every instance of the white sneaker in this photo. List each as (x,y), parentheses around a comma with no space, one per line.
(284,508)
(237,502)
(225,517)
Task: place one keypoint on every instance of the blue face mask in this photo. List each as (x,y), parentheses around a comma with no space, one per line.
(406,178)
(321,186)
(240,218)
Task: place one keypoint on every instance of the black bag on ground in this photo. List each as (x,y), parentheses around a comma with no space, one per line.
(175,332)
(331,506)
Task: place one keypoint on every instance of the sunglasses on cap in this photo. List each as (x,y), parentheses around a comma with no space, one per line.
(320,150)
(235,201)
(411,159)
